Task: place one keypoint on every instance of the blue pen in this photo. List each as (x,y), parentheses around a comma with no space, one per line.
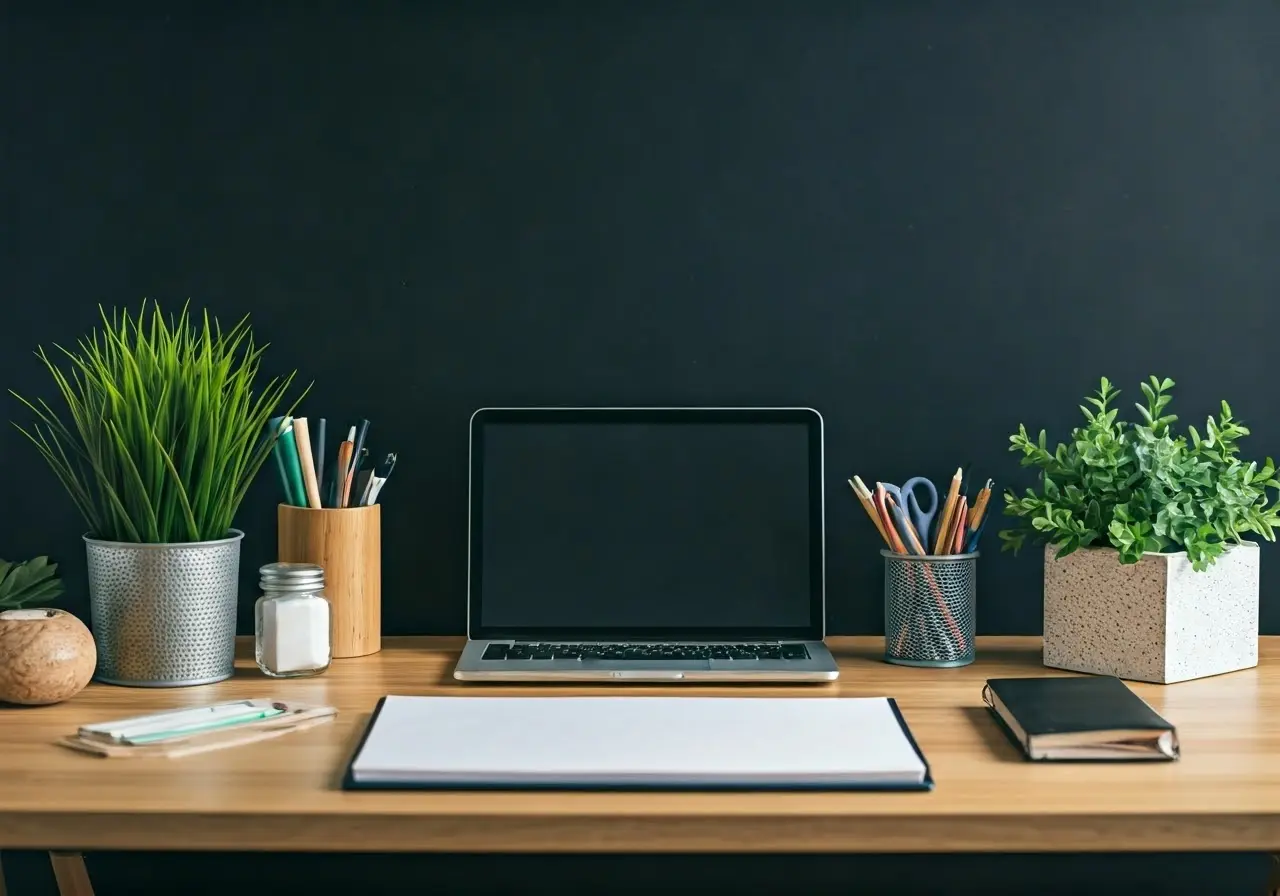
(973,539)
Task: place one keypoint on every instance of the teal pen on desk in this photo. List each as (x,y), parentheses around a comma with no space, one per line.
(201,727)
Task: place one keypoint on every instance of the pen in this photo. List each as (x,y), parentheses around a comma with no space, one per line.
(973,538)
(319,446)
(274,427)
(360,488)
(357,456)
(379,478)
(289,448)
(342,477)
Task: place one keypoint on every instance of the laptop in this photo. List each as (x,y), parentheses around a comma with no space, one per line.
(646,544)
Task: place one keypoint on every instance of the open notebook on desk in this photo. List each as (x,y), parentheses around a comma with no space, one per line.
(611,743)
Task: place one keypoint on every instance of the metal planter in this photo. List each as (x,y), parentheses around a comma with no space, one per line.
(164,615)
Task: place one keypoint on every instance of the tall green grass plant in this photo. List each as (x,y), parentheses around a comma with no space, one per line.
(163,430)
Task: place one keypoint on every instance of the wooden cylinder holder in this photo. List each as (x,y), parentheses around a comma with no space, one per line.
(347,544)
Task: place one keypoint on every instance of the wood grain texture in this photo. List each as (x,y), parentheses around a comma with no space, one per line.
(348,544)
(1224,794)
(46,656)
(71,874)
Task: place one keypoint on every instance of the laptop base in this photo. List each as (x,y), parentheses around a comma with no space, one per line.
(818,667)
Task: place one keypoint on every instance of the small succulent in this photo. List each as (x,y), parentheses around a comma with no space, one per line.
(28,583)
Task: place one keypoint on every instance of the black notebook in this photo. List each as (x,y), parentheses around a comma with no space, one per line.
(1091,717)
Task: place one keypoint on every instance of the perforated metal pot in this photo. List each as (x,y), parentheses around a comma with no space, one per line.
(164,615)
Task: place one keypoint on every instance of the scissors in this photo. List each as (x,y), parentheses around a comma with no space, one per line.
(905,496)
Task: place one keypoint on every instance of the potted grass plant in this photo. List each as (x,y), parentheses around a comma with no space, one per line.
(1148,573)
(163,433)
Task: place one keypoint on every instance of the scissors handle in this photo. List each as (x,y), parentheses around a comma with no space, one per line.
(922,517)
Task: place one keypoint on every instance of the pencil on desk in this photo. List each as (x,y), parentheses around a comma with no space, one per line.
(864,498)
(948,512)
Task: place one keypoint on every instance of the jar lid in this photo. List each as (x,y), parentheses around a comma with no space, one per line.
(291,575)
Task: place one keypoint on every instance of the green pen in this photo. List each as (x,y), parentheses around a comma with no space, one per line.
(274,426)
(198,727)
(289,450)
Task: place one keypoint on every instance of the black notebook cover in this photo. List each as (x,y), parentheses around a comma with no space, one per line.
(349,781)
(1072,705)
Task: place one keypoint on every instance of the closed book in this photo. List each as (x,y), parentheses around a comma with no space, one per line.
(1081,718)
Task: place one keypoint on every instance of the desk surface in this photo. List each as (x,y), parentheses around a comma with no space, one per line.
(1224,794)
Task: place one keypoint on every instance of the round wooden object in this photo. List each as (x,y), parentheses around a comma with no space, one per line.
(46,656)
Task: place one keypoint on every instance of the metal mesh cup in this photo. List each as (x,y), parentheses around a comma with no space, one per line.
(929,609)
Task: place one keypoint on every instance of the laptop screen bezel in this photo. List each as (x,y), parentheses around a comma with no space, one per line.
(815,630)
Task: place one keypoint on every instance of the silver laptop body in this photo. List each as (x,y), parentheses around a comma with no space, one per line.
(646,545)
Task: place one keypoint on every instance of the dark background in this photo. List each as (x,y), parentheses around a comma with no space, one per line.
(932,221)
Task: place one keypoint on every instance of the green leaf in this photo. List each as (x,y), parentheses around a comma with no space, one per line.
(28,584)
(1140,486)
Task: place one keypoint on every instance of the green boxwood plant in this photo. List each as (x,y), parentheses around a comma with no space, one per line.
(1138,486)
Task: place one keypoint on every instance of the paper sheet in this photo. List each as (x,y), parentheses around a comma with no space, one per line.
(676,741)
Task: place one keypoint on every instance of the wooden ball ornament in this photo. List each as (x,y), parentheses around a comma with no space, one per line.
(46,656)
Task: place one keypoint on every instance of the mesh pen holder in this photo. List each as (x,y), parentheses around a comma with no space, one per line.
(929,609)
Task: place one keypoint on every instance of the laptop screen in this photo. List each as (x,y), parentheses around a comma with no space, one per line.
(667,524)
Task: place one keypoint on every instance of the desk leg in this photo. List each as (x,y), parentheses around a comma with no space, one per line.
(2,889)
(1273,882)
(71,874)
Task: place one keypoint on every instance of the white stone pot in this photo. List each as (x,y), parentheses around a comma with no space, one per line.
(1156,620)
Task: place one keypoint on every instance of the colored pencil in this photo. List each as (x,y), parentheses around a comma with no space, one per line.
(891,530)
(948,512)
(864,498)
(980,507)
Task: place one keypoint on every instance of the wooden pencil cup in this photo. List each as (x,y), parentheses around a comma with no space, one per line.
(347,544)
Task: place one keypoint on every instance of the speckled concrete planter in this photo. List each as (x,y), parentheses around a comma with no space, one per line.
(1156,620)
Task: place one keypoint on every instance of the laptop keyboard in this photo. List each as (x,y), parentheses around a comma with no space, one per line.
(622,652)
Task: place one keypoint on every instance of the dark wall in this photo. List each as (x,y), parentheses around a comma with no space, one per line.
(932,221)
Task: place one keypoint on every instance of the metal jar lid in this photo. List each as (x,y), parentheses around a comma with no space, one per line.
(291,577)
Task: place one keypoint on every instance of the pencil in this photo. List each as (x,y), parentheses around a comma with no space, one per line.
(948,512)
(980,507)
(961,529)
(864,498)
(357,457)
(909,536)
(895,542)
(302,438)
(342,477)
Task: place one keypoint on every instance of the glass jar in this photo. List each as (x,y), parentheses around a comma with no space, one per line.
(292,638)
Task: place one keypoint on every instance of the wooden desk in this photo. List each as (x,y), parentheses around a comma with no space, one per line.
(284,795)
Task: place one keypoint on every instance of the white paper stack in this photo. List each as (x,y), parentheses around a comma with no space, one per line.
(660,742)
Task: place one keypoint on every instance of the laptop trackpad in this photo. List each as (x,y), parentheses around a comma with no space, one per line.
(649,665)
